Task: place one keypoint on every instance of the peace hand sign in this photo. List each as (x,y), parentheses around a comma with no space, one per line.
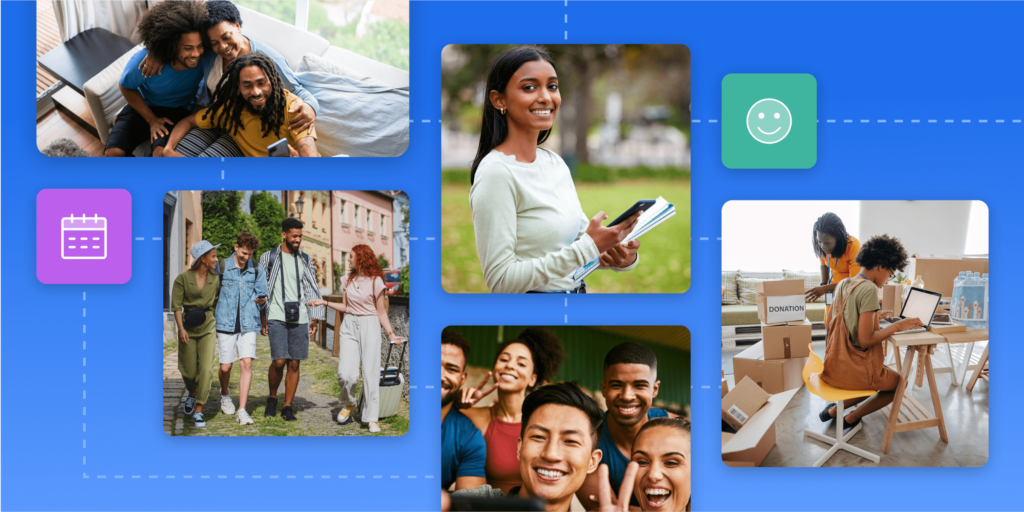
(470,396)
(605,498)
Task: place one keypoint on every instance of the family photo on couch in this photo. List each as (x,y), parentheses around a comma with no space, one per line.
(263,336)
(220,79)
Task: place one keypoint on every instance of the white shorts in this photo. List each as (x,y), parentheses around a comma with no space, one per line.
(232,347)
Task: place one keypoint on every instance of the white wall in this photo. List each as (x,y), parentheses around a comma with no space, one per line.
(924,227)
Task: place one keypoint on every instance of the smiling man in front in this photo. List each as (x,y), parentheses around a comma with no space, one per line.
(170,31)
(629,387)
(253,107)
(557,447)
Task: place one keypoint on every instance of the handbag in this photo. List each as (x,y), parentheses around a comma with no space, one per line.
(845,366)
(194,318)
(291,309)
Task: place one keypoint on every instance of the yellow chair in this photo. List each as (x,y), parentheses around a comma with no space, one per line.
(812,377)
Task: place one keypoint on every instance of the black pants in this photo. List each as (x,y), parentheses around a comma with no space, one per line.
(131,129)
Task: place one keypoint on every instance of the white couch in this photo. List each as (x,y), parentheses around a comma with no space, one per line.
(105,99)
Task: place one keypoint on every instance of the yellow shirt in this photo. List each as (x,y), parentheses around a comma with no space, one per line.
(250,137)
(846,265)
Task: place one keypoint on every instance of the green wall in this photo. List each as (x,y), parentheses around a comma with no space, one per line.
(585,348)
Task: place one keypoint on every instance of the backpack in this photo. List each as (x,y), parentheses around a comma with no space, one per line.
(845,366)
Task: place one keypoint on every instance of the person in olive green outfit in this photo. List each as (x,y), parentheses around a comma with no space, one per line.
(195,290)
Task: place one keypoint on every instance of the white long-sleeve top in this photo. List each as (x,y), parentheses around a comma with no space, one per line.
(531,232)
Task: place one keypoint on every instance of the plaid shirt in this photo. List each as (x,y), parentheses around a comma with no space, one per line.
(309,286)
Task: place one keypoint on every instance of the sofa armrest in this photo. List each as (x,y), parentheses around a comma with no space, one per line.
(104,96)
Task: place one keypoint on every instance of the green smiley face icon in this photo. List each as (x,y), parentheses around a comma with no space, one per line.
(769,121)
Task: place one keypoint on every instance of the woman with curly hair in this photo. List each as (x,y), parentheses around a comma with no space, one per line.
(523,364)
(531,231)
(855,353)
(364,302)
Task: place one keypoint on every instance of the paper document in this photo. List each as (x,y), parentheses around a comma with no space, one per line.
(661,211)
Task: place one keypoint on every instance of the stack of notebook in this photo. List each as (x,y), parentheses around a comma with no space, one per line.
(655,215)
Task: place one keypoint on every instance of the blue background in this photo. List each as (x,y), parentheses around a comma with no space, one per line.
(872,60)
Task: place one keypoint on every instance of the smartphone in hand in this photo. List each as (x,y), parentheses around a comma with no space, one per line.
(279,148)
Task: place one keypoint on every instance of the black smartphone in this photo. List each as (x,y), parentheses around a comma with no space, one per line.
(640,206)
(504,504)
(279,148)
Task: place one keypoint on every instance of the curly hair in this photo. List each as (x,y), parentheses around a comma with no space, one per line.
(162,26)
(545,349)
(218,11)
(248,241)
(365,263)
(830,224)
(228,102)
(883,251)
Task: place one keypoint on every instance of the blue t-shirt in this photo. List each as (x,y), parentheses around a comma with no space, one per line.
(614,458)
(171,88)
(463,451)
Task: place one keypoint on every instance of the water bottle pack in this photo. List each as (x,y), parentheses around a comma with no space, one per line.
(969,304)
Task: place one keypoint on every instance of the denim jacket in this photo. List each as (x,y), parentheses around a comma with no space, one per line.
(239,286)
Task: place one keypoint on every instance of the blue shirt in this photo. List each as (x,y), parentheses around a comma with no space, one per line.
(171,88)
(463,451)
(614,458)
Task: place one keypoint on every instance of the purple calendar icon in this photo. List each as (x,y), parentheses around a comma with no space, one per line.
(83,236)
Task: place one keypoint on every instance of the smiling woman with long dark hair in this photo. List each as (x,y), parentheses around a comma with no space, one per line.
(531,231)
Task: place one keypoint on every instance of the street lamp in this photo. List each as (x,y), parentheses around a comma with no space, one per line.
(298,206)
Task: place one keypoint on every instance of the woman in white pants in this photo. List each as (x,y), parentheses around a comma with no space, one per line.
(364,304)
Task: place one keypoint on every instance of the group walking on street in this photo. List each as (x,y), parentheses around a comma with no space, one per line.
(220,306)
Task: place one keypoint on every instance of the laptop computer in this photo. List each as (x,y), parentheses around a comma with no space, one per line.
(920,304)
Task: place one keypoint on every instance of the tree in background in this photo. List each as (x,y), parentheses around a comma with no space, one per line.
(267,215)
(404,277)
(223,219)
(339,271)
(383,260)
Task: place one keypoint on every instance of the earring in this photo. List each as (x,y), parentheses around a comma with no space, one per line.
(502,111)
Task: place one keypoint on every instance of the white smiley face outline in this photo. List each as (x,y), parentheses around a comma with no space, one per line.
(788,128)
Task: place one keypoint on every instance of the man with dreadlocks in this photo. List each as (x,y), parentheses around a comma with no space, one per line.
(253,107)
(170,31)
(837,250)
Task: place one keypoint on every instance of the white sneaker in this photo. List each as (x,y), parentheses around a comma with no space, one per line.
(374,427)
(226,405)
(185,396)
(344,413)
(243,417)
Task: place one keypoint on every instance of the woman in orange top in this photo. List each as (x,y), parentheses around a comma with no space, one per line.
(837,250)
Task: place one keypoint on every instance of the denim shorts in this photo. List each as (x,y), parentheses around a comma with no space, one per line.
(288,341)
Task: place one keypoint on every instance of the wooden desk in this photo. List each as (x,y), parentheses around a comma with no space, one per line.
(909,413)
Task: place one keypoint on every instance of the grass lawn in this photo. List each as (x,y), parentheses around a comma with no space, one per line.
(664,252)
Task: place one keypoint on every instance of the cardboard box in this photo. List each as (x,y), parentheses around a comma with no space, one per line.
(786,341)
(749,446)
(938,272)
(773,376)
(892,298)
(742,402)
(782,301)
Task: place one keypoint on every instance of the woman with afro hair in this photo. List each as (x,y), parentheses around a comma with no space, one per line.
(855,352)
(364,302)
(522,365)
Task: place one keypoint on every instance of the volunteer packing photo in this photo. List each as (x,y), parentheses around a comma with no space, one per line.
(860,338)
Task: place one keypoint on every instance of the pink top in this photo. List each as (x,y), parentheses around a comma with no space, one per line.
(360,293)
(502,464)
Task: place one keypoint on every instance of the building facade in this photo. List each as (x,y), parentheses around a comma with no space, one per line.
(183,227)
(361,217)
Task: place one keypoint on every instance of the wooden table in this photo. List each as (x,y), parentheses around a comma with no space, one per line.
(911,414)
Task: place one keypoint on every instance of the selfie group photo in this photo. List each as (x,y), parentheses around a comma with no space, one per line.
(565,418)
(220,78)
(286,313)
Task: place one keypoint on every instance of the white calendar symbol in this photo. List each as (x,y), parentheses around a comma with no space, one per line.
(83,238)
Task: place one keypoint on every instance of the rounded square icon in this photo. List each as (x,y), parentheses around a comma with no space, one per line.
(83,236)
(769,121)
